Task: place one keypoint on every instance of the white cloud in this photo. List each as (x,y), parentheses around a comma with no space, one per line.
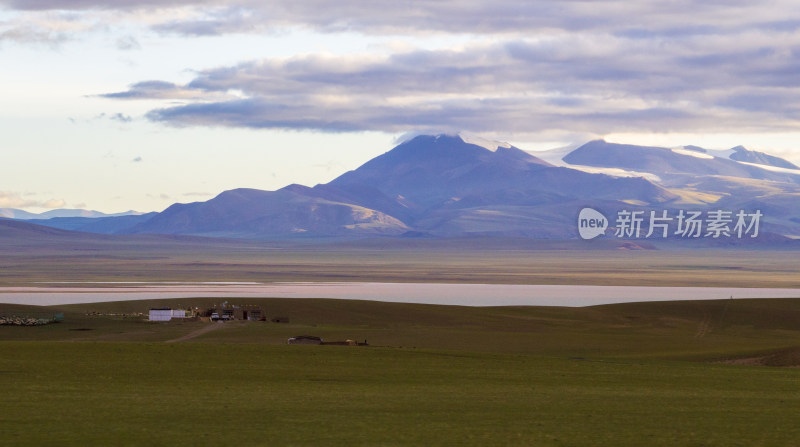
(10,199)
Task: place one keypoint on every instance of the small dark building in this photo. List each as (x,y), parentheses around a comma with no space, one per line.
(228,311)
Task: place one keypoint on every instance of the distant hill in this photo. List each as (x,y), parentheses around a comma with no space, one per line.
(21,237)
(102,225)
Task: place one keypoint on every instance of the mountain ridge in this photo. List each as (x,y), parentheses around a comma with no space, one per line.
(444,186)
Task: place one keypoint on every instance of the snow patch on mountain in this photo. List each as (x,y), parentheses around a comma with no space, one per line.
(614,172)
(771,168)
(485,143)
(692,153)
(556,158)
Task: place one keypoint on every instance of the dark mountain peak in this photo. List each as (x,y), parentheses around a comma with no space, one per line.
(613,155)
(239,192)
(438,153)
(459,147)
(439,162)
(296,188)
(596,143)
(426,147)
(740,153)
(605,145)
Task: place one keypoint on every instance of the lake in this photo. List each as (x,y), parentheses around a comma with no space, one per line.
(425,293)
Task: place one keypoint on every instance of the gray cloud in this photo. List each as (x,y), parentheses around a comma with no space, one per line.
(161,90)
(43,5)
(24,33)
(234,19)
(551,66)
(161,196)
(120,117)
(137,160)
(147,89)
(128,43)
(570,83)
(631,19)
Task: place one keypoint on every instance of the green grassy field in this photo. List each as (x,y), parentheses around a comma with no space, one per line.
(250,394)
(628,374)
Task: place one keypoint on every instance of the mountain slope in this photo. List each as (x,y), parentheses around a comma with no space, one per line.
(742,154)
(263,214)
(100,225)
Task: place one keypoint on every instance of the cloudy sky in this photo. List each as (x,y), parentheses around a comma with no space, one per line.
(137,104)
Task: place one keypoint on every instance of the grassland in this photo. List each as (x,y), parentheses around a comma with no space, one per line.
(629,374)
(202,394)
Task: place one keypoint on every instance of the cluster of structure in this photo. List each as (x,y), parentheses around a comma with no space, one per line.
(223,312)
(230,312)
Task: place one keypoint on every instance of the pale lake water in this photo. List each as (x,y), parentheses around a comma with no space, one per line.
(424,293)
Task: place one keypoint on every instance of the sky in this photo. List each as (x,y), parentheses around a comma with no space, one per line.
(137,104)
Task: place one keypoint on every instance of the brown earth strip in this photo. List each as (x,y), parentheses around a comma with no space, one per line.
(204,330)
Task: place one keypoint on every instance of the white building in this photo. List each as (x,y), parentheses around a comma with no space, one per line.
(166,314)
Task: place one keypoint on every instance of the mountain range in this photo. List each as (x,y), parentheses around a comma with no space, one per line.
(13,213)
(444,186)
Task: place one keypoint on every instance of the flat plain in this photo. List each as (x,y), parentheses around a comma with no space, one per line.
(26,261)
(662,373)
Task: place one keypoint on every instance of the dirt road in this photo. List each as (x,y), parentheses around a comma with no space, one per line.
(204,330)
